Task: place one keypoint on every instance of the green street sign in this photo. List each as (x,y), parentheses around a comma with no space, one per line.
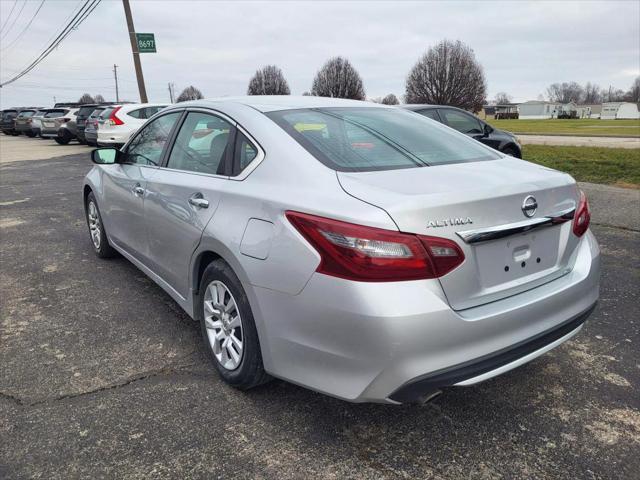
(146,42)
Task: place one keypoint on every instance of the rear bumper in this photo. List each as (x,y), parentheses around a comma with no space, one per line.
(109,138)
(396,342)
(491,365)
(48,132)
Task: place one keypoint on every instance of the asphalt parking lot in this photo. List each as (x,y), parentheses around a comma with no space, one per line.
(103,376)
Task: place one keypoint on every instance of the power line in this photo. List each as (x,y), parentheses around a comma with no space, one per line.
(80,17)
(24,29)
(15,2)
(24,3)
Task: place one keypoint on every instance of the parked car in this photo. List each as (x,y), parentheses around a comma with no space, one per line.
(22,123)
(55,120)
(469,124)
(353,248)
(8,121)
(67,128)
(84,113)
(91,126)
(124,120)
(36,121)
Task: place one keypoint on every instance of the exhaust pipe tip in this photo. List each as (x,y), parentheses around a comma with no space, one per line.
(424,399)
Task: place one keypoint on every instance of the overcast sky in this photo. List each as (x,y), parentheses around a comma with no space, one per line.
(217,46)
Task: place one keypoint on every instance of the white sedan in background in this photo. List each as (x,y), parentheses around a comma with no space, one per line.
(125,120)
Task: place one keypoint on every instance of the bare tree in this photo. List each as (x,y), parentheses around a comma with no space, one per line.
(189,93)
(565,92)
(306,94)
(591,93)
(86,98)
(390,99)
(268,80)
(98,98)
(634,91)
(613,95)
(502,98)
(448,74)
(337,78)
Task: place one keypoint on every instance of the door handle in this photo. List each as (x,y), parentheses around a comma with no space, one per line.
(198,201)
(138,190)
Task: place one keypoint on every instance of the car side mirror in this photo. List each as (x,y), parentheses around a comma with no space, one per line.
(105,156)
(487,129)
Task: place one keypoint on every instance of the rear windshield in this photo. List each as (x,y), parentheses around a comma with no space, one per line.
(368,139)
(86,111)
(9,114)
(106,112)
(96,112)
(54,114)
(27,113)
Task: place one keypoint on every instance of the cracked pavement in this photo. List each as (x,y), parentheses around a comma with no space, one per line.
(103,376)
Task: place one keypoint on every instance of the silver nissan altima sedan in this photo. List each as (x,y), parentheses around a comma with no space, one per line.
(356,249)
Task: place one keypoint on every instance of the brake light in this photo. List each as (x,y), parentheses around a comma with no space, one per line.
(582,217)
(29,120)
(113,120)
(369,254)
(63,120)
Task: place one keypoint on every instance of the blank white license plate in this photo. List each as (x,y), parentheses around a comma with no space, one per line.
(517,256)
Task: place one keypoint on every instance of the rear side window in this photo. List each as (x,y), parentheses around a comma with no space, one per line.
(201,145)
(461,121)
(369,139)
(245,152)
(431,113)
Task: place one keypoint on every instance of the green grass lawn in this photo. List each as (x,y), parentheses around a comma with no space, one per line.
(614,166)
(584,126)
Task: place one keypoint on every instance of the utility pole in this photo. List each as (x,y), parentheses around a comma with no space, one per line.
(171,91)
(136,53)
(115,75)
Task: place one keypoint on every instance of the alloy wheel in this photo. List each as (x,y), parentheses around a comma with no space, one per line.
(224,325)
(94,224)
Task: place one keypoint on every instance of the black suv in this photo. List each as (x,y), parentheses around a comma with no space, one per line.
(8,121)
(471,125)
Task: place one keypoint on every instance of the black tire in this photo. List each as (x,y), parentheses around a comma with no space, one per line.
(62,140)
(512,151)
(250,371)
(102,249)
(30,134)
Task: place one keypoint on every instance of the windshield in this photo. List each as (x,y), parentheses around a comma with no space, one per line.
(366,139)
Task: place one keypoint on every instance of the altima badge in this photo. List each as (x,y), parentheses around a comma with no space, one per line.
(447,222)
(529,206)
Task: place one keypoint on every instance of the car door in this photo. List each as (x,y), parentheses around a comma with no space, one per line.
(124,185)
(184,194)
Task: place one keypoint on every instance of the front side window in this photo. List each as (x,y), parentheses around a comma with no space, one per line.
(461,121)
(201,144)
(146,148)
(366,139)
(139,113)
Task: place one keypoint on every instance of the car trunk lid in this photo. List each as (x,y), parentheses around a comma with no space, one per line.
(469,203)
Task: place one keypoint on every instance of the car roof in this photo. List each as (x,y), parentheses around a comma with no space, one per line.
(425,106)
(270,103)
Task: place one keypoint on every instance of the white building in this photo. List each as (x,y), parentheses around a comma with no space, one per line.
(538,110)
(619,110)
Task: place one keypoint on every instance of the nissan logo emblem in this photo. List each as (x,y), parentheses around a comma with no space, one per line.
(529,206)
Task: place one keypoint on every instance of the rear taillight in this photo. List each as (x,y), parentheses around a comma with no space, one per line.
(63,120)
(29,120)
(582,217)
(113,120)
(369,254)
